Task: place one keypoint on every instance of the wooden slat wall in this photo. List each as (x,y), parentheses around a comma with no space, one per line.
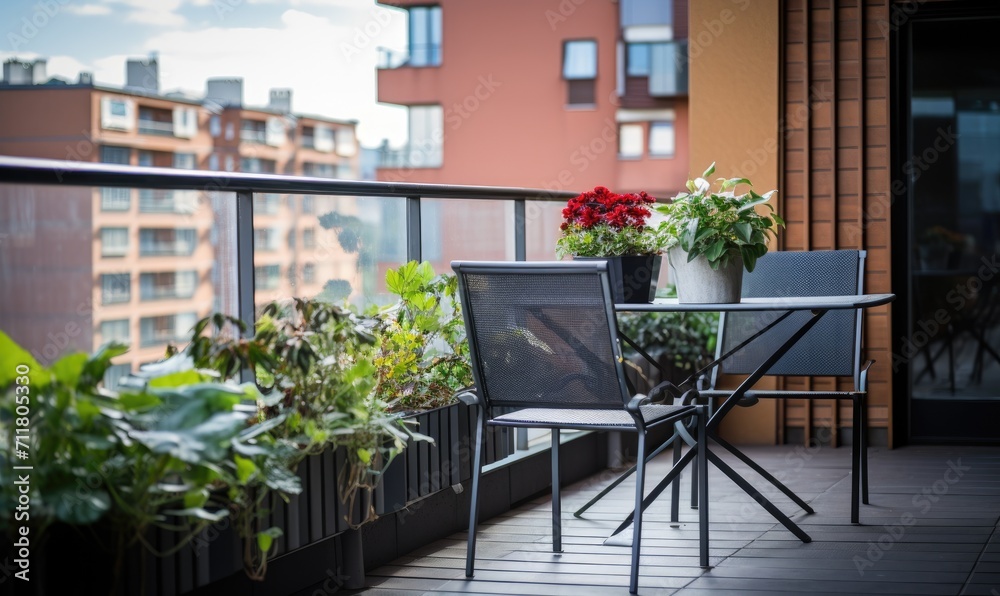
(835,179)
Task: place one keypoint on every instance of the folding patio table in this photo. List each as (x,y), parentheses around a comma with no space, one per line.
(817,306)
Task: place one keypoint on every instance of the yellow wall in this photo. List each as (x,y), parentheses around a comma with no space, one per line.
(734,104)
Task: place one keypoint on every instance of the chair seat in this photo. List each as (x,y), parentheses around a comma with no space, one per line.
(588,418)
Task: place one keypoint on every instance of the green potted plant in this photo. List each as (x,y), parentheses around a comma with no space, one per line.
(711,236)
(606,225)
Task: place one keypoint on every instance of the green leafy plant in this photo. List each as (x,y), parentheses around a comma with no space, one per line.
(722,225)
(423,356)
(169,450)
(683,341)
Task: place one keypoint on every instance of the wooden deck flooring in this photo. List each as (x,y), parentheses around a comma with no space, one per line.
(931,529)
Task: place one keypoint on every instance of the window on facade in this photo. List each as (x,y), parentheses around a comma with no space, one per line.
(291,239)
(309,238)
(255,165)
(229,163)
(114,242)
(661,139)
(630,140)
(116,199)
(309,273)
(167,328)
(213,162)
(146,159)
(116,330)
(318,170)
(253,131)
(426,131)
(230,131)
(265,239)
(580,71)
(116,288)
(265,277)
(266,203)
(646,12)
(185,161)
(637,59)
(425,36)
(215,126)
(667,69)
(167,241)
(167,285)
(308,204)
(118,155)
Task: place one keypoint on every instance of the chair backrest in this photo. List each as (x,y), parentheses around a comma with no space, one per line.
(831,348)
(542,334)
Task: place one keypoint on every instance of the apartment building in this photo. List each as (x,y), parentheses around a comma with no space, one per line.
(141,265)
(554,95)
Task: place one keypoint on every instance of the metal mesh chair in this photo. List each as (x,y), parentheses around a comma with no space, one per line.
(831,348)
(545,354)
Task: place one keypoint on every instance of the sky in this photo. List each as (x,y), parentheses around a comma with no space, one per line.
(326,51)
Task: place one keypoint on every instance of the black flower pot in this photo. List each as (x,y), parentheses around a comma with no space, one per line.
(633,278)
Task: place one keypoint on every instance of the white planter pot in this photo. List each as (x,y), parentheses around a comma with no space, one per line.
(697,282)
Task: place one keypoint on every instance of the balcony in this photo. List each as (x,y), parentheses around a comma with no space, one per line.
(167,201)
(253,136)
(401,81)
(929,527)
(156,127)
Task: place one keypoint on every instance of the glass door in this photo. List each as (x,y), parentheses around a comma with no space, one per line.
(953,170)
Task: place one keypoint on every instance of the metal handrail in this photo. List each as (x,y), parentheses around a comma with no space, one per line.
(22,170)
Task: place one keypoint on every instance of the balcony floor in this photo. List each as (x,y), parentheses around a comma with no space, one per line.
(949,547)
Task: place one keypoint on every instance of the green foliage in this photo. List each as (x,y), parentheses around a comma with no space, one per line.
(688,339)
(605,241)
(423,357)
(721,225)
(168,450)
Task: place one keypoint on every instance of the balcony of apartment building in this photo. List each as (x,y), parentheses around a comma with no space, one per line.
(412,75)
(930,522)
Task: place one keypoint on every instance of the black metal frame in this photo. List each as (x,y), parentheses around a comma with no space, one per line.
(818,307)
(631,403)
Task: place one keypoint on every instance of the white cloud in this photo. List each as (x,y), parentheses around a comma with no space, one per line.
(153,12)
(87,10)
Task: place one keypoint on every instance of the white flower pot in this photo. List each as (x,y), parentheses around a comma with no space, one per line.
(697,282)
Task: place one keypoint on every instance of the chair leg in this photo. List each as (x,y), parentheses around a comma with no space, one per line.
(863,438)
(640,478)
(702,482)
(695,475)
(477,472)
(556,502)
(675,488)
(856,433)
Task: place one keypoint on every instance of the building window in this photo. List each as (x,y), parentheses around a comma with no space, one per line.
(116,199)
(265,239)
(265,203)
(318,170)
(661,139)
(116,330)
(213,162)
(185,161)
(114,374)
(309,273)
(646,12)
(114,242)
(167,285)
(116,288)
(229,163)
(630,140)
(117,155)
(255,165)
(215,126)
(580,71)
(253,131)
(146,159)
(347,145)
(117,113)
(166,328)
(265,277)
(426,131)
(291,239)
(167,242)
(230,131)
(309,238)
(425,36)
(308,204)
(668,69)
(637,59)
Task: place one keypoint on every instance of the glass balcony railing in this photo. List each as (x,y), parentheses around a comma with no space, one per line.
(248,135)
(156,127)
(335,240)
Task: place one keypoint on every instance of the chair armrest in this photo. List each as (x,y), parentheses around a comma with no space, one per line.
(468,396)
(637,401)
(664,392)
(863,376)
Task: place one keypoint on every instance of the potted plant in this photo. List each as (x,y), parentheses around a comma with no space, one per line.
(711,236)
(607,225)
